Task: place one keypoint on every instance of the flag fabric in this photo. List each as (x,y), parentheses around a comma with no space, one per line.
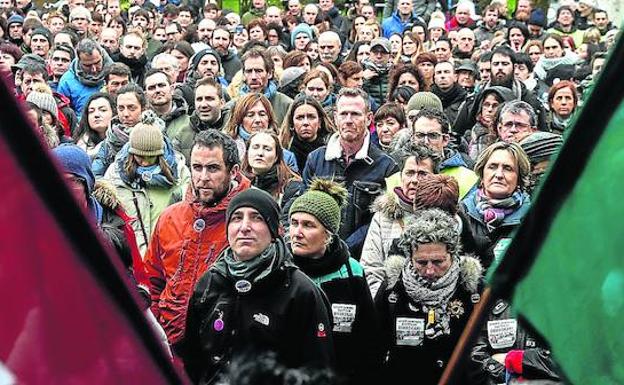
(68,314)
(564,269)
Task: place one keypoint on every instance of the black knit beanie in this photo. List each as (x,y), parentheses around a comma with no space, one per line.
(260,200)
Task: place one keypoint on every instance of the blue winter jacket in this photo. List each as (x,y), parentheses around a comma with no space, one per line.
(78,93)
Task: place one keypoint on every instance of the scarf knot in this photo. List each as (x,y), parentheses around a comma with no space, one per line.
(494,211)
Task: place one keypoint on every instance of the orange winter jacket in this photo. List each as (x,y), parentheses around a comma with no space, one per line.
(180,252)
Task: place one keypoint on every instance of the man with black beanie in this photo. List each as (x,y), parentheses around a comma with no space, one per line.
(255,299)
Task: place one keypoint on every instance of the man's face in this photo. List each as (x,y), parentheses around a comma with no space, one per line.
(368,12)
(108,39)
(132,47)
(431,261)
(91,63)
(309,14)
(256,75)
(55,24)
(169,68)
(329,48)
(597,66)
(491,18)
(462,14)
(405,7)
(258,4)
(185,18)
(428,132)
(514,127)
(465,40)
(211,14)
(16,31)
(552,49)
(535,30)
(502,69)
(95,28)
(6,4)
(208,103)
(140,21)
(113,8)
(29,80)
(128,109)
(442,50)
(158,90)
(221,41)
(208,66)
(172,32)
(39,45)
(352,119)
(465,79)
(413,171)
(523,10)
(115,82)
(601,20)
(273,15)
(326,5)
(248,234)
(294,7)
(521,71)
(59,62)
(565,18)
(205,29)
(210,177)
(379,56)
(444,75)
(485,71)
(77,187)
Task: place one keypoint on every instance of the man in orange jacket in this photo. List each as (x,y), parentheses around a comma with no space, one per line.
(190,235)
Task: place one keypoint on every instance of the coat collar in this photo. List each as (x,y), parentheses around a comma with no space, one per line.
(333,150)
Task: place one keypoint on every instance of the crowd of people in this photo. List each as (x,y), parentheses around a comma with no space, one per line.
(323,182)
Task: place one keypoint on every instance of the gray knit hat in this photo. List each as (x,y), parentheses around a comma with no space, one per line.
(44,101)
(423,99)
(290,74)
(323,200)
(146,140)
(540,146)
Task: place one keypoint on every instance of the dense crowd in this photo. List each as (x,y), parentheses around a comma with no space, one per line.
(323,182)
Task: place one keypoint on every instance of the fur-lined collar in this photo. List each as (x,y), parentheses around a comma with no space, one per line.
(471,271)
(106,195)
(389,206)
(334,149)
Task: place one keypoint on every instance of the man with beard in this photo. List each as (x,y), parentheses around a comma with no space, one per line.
(502,74)
(523,11)
(220,42)
(488,25)
(206,62)
(194,229)
(205,28)
(445,87)
(171,108)
(132,54)
(330,48)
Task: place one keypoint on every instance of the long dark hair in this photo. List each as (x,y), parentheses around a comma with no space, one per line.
(83,125)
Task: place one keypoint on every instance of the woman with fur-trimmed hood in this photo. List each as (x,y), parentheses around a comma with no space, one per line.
(428,298)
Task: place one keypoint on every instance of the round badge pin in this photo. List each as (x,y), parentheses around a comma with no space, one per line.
(218,324)
(146,176)
(242,286)
(199,225)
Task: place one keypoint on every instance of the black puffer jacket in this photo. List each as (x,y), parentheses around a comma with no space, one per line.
(284,312)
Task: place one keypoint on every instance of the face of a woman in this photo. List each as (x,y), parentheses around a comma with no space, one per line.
(240,38)
(409,46)
(256,118)
(262,153)
(273,37)
(386,129)
(534,53)
(488,109)
(145,161)
(552,49)
(256,33)
(500,175)
(363,53)
(431,261)
(306,122)
(100,114)
(426,69)
(435,33)
(516,39)
(581,51)
(366,33)
(278,62)
(355,80)
(301,40)
(420,32)
(317,89)
(563,102)
(305,64)
(395,44)
(312,51)
(182,59)
(307,236)
(358,23)
(408,79)
(6,61)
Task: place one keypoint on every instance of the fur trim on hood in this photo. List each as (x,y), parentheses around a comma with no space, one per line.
(471,271)
(106,195)
(388,205)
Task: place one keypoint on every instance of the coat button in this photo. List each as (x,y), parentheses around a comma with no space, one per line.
(440,363)
(491,367)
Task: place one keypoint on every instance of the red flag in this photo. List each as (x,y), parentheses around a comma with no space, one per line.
(68,315)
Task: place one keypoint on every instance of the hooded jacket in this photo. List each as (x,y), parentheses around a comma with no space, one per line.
(177,127)
(377,87)
(178,254)
(283,311)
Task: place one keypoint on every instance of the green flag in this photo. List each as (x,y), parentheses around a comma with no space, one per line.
(564,269)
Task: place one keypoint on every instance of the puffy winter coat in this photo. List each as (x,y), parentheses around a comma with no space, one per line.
(283,311)
(187,240)
(143,201)
(75,91)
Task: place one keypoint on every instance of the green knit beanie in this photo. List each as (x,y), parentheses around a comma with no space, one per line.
(323,200)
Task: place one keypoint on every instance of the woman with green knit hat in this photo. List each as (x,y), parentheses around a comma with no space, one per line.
(324,257)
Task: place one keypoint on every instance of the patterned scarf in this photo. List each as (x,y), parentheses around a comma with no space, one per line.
(494,211)
(432,295)
(269,91)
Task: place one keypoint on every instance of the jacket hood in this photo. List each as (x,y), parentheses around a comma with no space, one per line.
(180,107)
(452,159)
(470,271)
(104,192)
(389,206)
(503,92)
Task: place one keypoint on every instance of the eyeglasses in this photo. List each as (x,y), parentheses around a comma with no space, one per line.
(519,125)
(431,136)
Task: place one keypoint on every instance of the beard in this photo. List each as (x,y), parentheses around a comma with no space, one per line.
(505,81)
